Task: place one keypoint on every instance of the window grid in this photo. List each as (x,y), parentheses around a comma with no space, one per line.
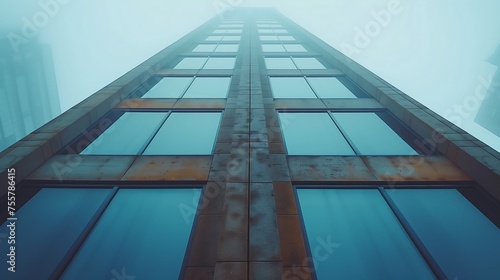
(284,48)
(306,78)
(215,48)
(58,268)
(401,140)
(437,264)
(208,62)
(159,127)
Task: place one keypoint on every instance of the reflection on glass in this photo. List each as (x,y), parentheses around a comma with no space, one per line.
(191,63)
(263,31)
(214,38)
(268,38)
(186,134)
(279,63)
(295,87)
(204,48)
(312,134)
(227,48)
(365,240)
(361,127)
(220,63)
(121,138)
(286,38)
(294,48)
(272,48)
(142,232)
(231,38)
(47,227)
(208,87)
(219,31)
(169,87)
(329,87)
(280,31)
(308,63)
(461,239)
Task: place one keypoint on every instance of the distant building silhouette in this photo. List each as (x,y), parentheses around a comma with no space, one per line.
(28,91)
(488,115)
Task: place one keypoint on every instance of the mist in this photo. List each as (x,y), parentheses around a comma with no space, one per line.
(435,51)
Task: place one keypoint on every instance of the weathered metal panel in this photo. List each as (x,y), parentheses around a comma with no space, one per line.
(169,168)
(328,168)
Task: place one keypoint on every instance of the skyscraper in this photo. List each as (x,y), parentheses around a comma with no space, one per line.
(28,90)
(250,149)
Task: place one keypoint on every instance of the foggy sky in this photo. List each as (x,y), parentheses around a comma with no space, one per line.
(435,51)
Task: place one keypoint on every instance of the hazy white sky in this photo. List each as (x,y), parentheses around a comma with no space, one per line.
(434,51)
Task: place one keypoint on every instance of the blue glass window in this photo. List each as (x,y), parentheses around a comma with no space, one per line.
(121,138)
(272,48)
(329,87)
(169,87)
(191,63)
(312,134)
(308,63)
(220,63)
(291,87)
(208,87)
(46,228)
(461,239)
(279,63)
(294,48)
(186,134)
(227,48)
(361,127)
(142,232)
(353,234)
(205,48)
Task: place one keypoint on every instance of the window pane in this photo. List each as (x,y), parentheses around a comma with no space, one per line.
(204,48)
(213,38)
(461,239)
(231,38)
(312,134)
(279,63)
(186,134)
(294,48)
(286,38)
(280,31)
(142,232)
(268,38)
(227,48)
(121,138)
(47,227)
(308,63)
(263,31)
(219,31)
(330,88)
(191,63)
(169,87)
(365,239)
(361,127)
(220,63)
(234,31)
(272,48)
(295,87)
(208,87)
